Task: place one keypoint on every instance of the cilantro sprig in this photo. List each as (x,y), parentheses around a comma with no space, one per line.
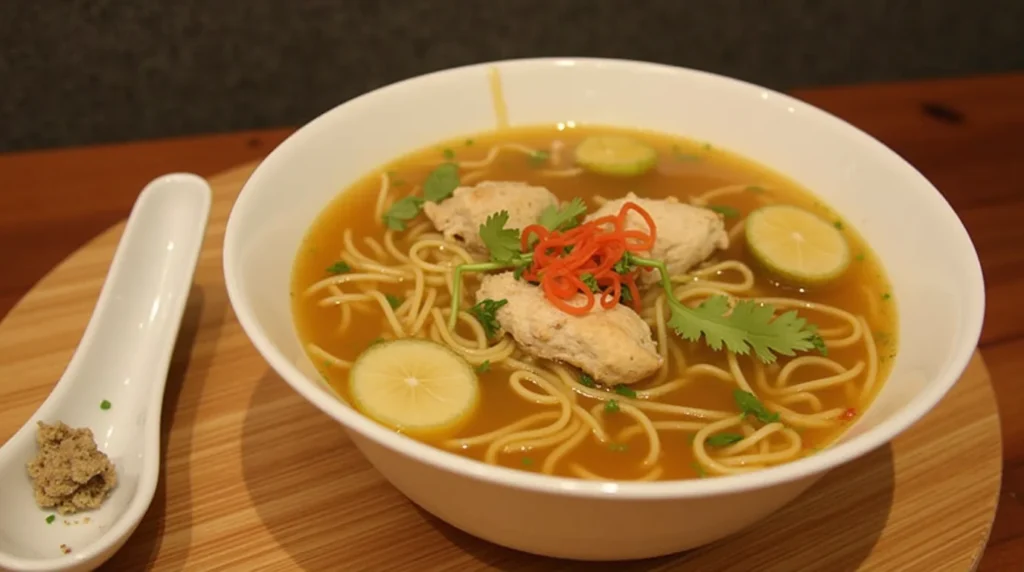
(439,185)
(750,327)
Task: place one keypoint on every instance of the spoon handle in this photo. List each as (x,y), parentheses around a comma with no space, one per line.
(127,345)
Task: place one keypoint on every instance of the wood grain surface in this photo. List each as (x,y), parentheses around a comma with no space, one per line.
(255,478)
(966,135)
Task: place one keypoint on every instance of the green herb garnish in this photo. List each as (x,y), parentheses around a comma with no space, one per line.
(723,439)
(838,224)
(486,312)
(699,470)
(439,185)
(886,296)
(339,267)
(611,406)
(725,210)
(750,405)
(50,519)
(441,182)
(469,142)
(625,391)
(503,243)
(751,326)
(563,218)
(448,154)
(590,282)
(105,405)
(527,462)
(393,301)
(484,367)
(587,381)
(860,257)
(404,210)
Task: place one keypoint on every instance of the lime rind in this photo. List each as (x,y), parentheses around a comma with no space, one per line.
(417,387)
(615,155)
(797,245)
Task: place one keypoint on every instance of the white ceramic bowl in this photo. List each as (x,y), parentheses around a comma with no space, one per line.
(934,270)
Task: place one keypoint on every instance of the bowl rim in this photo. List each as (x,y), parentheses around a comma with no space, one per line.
(803,468)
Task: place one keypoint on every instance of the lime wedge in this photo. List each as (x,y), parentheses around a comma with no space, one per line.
(797,245)
(415,386)
(615,155)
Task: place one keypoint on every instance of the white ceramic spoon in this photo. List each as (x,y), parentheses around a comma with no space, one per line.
(122,358)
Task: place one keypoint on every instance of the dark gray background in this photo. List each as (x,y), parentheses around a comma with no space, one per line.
(84,71)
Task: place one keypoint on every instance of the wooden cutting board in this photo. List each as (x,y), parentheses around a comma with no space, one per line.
(254,477)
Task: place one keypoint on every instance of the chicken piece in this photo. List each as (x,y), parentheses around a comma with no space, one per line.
(613,346)
(460,216)
(686,235)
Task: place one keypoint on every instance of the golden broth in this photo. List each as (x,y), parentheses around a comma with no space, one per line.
(685,169)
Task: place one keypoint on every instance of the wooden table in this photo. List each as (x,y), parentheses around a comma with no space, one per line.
(966,135)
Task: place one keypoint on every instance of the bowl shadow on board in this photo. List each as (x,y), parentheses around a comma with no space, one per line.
(181,399)
(323,503)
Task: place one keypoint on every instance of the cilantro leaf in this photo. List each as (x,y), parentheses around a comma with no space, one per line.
(339,267)
(625,391)
(502,242)
(725,210)
(486,312)
(750,326)
(749,404)
(723,439)
(441,182)
(564,217)
(404,210)
(626,264)
(590,282)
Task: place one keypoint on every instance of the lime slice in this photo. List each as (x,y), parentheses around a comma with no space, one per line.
(797,245)
(415,386)
(615,155)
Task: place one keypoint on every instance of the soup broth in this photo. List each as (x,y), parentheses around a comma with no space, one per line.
(349,239)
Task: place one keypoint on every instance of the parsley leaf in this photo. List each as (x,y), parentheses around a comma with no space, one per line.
(611,406)
(723,439)
(404,210)
(587,381)
(393,301)
(339,267)
(749,404)
(750,326)
(441,182)
(590,282)
(725,210)
(486,312)
(625,391)
(502,242)
(564,217)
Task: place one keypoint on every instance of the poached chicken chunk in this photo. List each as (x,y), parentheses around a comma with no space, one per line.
(614,346)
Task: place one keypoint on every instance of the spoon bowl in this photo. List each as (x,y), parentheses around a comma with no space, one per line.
(113,385)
